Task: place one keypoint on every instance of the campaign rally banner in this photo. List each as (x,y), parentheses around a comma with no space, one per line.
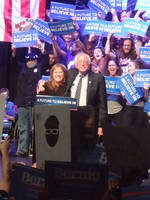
(25,38)
(111,85)
(62,27)
(142,76)
(27,183)
(100,5)
(84,15)
(116,4)
(67,180)
(135,27)
(147,105)
(144,53)
(61,11)
(43,30)
(103,27)
(132,94)
(52,100)
(142,5)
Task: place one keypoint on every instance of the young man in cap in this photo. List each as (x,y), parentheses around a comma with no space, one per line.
(28,78)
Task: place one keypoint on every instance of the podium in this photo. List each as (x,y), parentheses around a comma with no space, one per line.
(57,129)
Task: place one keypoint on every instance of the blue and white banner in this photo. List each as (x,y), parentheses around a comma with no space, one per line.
(61,11)
(116,4)
(142,5)
(132,94)
(147,105)
(111,85)
(45,78)
(25,38)
(62,27)
(103,27)
(142,76)
(100,5)
(135,27)
(84,15)
(53,100)
(144,53)
(124,4)
(43,30)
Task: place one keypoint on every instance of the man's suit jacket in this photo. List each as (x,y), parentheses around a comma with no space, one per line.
(96,93)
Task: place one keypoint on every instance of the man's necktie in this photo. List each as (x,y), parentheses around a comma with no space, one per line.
(78,91)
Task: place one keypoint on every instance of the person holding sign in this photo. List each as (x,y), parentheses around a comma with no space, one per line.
(134,115)
(56,85)
(115,102)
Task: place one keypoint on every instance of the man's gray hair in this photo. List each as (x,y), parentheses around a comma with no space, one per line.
(81,54)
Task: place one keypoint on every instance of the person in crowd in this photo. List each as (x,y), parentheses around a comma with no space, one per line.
(6,178)
(28,77)
(10,110)
(49,59)
(92,92)
(134,115)
(56,85)
(115,103)
(74,48)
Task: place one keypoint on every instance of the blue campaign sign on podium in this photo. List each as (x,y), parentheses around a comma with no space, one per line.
(53,100)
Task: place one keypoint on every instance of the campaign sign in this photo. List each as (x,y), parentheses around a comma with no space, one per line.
(61,11)
(76,180)
(53,100)
(62,27)
(145,54)
(142,5)
(111,85)
(135,192)
(43,30)
(82,16)
(142,76)
(132,94)
(92,27)
(103,27)
(124,4)
(116,4)
(147,105)
(135,27)
(26,183)
(45,78)
(25,38)
(100,5)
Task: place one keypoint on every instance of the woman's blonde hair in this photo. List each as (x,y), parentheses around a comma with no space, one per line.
(51,83)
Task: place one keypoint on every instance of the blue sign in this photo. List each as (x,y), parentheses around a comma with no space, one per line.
(142,5)
(45,78)
(43,30)
(67,180)
(111,85)
(142,76)
(61,11)
(132,94)
(135,27)
(147,105)
(100,5)
(116,4)
(82,16)
(124,4)
(25,38)
(103,27)
(62,27)
(144,53)
(53,100)
(26,183)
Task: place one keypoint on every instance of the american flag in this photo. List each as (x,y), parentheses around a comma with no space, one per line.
(11,11)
